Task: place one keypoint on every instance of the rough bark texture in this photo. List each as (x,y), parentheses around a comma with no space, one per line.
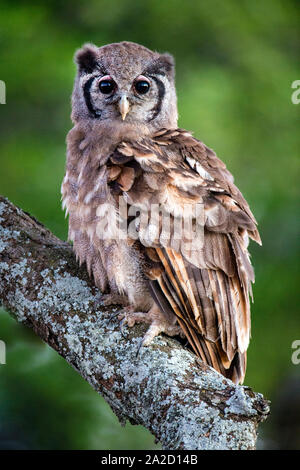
(166,388)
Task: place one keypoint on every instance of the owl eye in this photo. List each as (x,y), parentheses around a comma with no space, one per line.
(142,85)
(107,85)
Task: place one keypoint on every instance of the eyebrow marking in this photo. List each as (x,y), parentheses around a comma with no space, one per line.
(161,93)
(154,69)
(87,97)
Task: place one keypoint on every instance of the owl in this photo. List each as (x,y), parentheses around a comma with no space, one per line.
(153,212)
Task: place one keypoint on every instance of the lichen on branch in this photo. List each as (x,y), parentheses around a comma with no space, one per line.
(165,387)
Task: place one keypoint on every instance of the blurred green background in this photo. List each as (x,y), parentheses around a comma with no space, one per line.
(236,61)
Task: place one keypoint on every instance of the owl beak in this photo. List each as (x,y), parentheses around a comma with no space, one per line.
(124,106)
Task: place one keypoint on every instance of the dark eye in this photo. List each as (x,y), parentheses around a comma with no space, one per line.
(142,85)
(107,85)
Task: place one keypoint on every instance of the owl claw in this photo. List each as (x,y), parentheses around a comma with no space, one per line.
(122,324)
(114,315)
(158,324)
(152,332)
(139,347)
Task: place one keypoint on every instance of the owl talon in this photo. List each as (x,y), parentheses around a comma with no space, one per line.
(158,324)
(122,323)
(154,330)
(139,347)
(130,317)
(114,315)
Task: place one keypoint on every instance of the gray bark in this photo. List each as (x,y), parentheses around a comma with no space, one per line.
(166,388)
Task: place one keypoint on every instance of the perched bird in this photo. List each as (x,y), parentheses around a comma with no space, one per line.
(132,179)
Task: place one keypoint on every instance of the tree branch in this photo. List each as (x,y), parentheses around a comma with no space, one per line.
(166,388)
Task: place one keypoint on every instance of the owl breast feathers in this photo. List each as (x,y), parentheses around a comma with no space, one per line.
(153,212)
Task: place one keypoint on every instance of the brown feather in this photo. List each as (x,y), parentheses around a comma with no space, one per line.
(210,297)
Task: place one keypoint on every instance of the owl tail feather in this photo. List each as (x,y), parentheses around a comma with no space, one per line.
(211,353)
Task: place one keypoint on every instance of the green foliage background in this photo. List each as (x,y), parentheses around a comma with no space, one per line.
(236,61)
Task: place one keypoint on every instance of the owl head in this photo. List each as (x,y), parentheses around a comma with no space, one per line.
(125,82)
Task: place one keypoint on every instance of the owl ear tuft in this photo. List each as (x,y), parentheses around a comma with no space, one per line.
(168,63)
(86,58)
(164,64)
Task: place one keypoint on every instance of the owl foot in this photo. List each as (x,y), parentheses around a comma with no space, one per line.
(159,323)
(114,299)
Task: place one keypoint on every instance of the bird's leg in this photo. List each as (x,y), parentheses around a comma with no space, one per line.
(159,322)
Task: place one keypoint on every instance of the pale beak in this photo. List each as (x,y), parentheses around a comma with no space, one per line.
(124,106)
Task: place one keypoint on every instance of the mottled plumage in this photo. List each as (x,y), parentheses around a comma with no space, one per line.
(126,148)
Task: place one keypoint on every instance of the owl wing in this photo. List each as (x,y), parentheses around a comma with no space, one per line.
(204,277)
